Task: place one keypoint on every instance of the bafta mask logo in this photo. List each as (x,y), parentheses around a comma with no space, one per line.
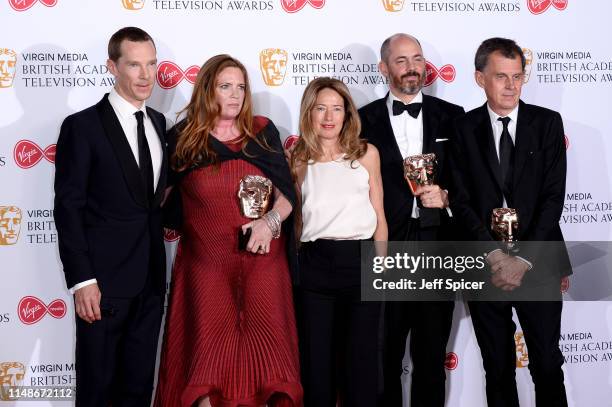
(540,6)
(293,6)
(133,4)
(393,5)
(23,5)
(273,65)
(522,357)
(528,63)
(254,194)
(169,74)
(27,154)
(11,376)
(31,309)
(10,225)
(452,361)
(447,73)
(8,67)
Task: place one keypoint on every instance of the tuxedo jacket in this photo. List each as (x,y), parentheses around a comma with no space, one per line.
(107,227)
(398,200)
(537,186)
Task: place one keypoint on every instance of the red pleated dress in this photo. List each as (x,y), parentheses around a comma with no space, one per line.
(230,330)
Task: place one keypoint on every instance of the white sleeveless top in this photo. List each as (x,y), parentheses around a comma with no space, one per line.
(336,202)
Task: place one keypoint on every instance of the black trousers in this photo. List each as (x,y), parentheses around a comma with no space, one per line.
(429,325)
(338,333)
(495,329)
(115,357)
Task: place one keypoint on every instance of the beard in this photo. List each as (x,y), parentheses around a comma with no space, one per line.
(414,87)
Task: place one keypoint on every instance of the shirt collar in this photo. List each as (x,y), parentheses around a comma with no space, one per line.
(123,108)
(494,116)
(418,98)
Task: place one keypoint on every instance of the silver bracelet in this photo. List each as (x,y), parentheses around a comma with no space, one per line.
(273,220)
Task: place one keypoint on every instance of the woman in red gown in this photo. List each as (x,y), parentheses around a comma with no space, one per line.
(230,337)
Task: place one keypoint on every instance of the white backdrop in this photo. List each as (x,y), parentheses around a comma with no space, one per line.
(56,50)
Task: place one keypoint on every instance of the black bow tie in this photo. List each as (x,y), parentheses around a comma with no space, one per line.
(413,109)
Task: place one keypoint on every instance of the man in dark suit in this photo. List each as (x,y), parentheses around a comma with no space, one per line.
(510,154)
(405,123)
(109,182)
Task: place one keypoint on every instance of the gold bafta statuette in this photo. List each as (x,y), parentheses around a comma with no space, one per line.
(504,223)
(420,170)
(254,194)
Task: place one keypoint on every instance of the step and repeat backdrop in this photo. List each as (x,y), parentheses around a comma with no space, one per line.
(52,63)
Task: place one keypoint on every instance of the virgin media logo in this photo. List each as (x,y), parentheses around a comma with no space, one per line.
(23,5)
(540,6)
(451,362)
(170,74)
(31,309)
(290,141)
(171,235)
(567,143)
(27,153)
(293,6)
(446,73)
(565,284)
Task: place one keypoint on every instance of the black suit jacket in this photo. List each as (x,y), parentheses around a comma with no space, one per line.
(107,228)
(538,184)
(398,200)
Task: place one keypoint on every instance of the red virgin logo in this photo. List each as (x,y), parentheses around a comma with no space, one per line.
(567,143)
(290,141)
(31,309)
(23,5)
(565,284)
(27,153)
(171,235)
(293,6)
(540,6)
(447,73)
(170,74)
(452,360)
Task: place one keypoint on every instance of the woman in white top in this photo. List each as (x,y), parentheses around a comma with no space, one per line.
(339,182)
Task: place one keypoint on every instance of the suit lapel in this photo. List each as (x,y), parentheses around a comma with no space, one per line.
(524,139)
(486,142)
(117,138)
(160,130)
(386,137)
(430,124)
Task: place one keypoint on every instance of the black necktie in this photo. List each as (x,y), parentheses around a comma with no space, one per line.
(413,109)
(144,155)
(506,158)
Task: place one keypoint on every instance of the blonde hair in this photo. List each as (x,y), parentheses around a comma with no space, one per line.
(307,147)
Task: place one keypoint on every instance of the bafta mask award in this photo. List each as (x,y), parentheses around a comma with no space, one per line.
(420,170)
(504,223)
(254,194)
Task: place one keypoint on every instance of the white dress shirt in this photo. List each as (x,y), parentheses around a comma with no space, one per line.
(408,132)
(125,113)
(498,127)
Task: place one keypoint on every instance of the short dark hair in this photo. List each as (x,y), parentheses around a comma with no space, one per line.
(508,48)
(386,45)
(126,33)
